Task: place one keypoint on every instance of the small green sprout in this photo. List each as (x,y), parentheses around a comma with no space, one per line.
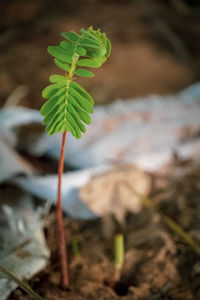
(75,246)
(119,251)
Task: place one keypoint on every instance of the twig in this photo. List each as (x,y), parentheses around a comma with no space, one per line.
(172,224)
(25,287)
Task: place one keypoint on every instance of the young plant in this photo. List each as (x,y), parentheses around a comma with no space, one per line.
(119,255)
(68,104)
(75,246)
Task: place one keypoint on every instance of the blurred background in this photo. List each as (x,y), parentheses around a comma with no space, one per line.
(155,45)
(141,152)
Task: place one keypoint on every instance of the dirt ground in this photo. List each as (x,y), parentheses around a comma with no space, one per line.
(155,50)
(158,263)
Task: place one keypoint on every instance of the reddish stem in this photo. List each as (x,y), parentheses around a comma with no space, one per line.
(60,224)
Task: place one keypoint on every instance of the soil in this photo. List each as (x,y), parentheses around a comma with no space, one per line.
(155,50)
(158,263)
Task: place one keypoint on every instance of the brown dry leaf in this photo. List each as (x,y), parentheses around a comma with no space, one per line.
(108,194)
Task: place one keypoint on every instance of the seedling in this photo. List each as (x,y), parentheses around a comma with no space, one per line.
(118,261)
(68,104)
(119,255)
(75,246)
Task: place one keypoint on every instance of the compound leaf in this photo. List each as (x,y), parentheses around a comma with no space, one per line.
(68,104)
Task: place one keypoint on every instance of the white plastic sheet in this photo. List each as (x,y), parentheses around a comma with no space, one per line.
(11,163)
(23,249)
(145,132)
(45,187)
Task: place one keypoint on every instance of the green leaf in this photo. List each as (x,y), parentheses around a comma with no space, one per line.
(66,125)
(85,104)
(68,104)
(60,53)
(54,121)
(76,118)
(71,36)
(62,65)
(108,48)
(51,128)
(51,90)
(80,51)
(61,91)
(92,63)
(67,46)
(75,104)
(70,48)
(88,43)
(98,53)
(58,127)
(99,37)
(86,33)
(85,117)
(90,35)
(83,73)
(50,115)
(49,105)
(70,128)
(82,91)
(57,78)
(73,124)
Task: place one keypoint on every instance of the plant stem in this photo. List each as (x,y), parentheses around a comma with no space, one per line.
(119,251)
(60,224)
(75,246)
